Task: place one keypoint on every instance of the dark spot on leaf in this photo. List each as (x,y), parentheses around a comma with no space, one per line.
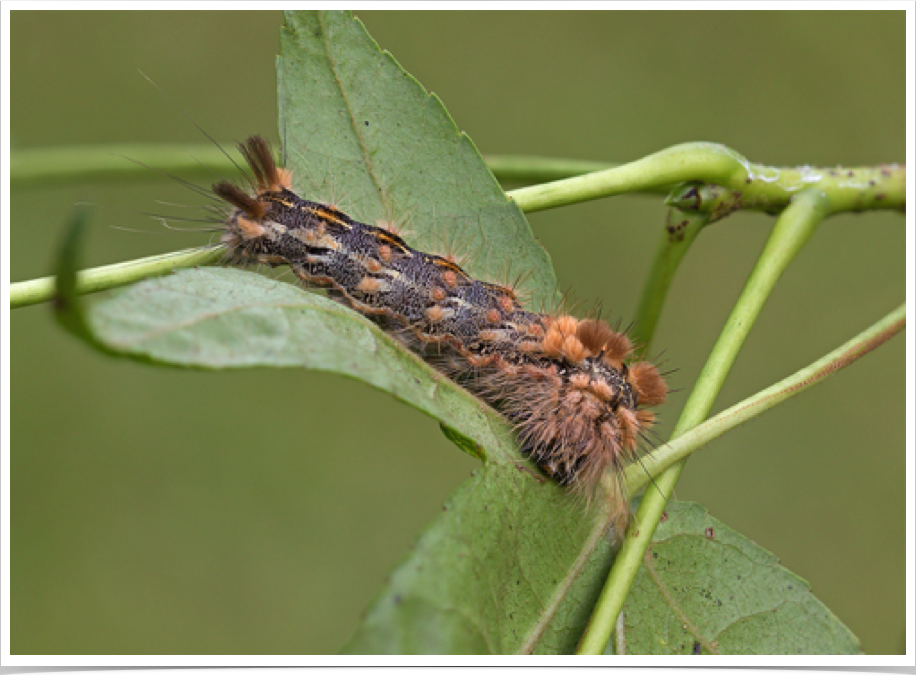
(366,123)
(397,599)
(697,648)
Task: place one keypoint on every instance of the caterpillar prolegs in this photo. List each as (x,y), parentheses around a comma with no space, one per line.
(569,386)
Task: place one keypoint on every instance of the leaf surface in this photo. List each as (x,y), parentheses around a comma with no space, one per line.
(361,131)
(705,588)
(227,318)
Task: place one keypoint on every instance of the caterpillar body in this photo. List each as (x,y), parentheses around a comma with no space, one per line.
(569,386)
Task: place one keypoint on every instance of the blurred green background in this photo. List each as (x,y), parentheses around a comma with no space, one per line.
(168,511)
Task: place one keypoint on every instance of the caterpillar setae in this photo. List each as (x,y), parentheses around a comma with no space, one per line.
(569,386)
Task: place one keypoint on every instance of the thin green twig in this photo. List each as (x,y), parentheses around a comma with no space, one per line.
(792,230)
(681,230)
(529,169)
(42,167)
(749,185)
(34,291)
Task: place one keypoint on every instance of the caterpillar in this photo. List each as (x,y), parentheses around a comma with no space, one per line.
(577,399)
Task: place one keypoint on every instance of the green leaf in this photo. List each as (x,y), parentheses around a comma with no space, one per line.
(511,565)
(227,318)
(67,307)
(360,130)
(705,588)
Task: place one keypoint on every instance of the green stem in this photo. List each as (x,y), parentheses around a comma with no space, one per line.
(24,293)
(40,167)
(755,186)
(847,189)
(707,162)
(533,169)
(792,230)
(681,229)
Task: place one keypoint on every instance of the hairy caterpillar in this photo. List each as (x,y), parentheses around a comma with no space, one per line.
(577,403)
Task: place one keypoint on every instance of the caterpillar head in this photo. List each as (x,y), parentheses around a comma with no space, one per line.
(585,414)
(249,221)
